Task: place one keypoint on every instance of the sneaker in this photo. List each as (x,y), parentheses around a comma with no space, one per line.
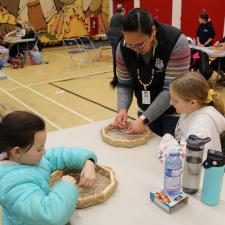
(2,75)
(7,64)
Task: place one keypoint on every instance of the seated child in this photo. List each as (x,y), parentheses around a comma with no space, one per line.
(25,170)
(202,113)
(18,32)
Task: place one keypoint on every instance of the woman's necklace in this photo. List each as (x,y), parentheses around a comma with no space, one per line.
(143,84)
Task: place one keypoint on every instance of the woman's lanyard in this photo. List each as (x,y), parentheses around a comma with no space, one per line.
(146,96)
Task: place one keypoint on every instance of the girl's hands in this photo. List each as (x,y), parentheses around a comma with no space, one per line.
(69,179)
(87,175)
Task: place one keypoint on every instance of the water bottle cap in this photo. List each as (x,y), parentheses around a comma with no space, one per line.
(195,143)
(214,159)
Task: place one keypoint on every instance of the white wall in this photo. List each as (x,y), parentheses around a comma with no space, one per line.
(136,3)
(176,13)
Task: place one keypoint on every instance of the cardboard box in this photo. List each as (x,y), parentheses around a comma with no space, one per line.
(168,203)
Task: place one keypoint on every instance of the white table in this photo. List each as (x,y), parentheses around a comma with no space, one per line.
(138,171)
(11,41)
(15,40)
(210,52)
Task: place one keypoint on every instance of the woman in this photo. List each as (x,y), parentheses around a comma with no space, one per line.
(205,32)
(218,64)
(148,59)
(26,31)
(19,31)
(116,29)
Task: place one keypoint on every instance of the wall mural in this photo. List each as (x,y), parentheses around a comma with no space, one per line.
(55,19)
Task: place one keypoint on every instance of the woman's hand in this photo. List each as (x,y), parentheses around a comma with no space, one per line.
(217,53)
(87,175)
(136,126)
(69,179)
(217,44)
(121,119)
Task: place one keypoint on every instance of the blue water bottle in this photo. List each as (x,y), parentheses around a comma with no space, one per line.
(213,178)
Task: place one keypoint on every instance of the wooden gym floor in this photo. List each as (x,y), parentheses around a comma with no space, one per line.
(63,95)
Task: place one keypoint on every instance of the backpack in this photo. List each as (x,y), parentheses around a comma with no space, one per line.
(17,63)
(35,57)
(4,54)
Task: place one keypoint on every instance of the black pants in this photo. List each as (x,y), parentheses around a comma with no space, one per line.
(164,124)
(20,48)
(218,62)
(114,42)
(201,64)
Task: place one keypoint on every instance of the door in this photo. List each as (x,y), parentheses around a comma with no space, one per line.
(160,9)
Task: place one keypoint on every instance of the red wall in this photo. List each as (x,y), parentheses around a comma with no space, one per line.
(127,4)
(160,9)
(191,10)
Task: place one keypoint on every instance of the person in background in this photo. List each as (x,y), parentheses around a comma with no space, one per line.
(31,33)
(29,30)
(214,70)
(219,62)
(24,31)
(115,32)
(205,32)
(26,168)
(18,32)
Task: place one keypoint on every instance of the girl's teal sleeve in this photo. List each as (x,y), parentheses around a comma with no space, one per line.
(28,202)
(62,157)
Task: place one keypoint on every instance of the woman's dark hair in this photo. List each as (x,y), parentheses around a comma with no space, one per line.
(138,20)
(17,129)
(114,81)
(19,25)
(204,16)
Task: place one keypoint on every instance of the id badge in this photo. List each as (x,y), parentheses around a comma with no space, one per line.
(146,98)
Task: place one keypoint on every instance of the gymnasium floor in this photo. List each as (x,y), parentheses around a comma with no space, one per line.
(63,95)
